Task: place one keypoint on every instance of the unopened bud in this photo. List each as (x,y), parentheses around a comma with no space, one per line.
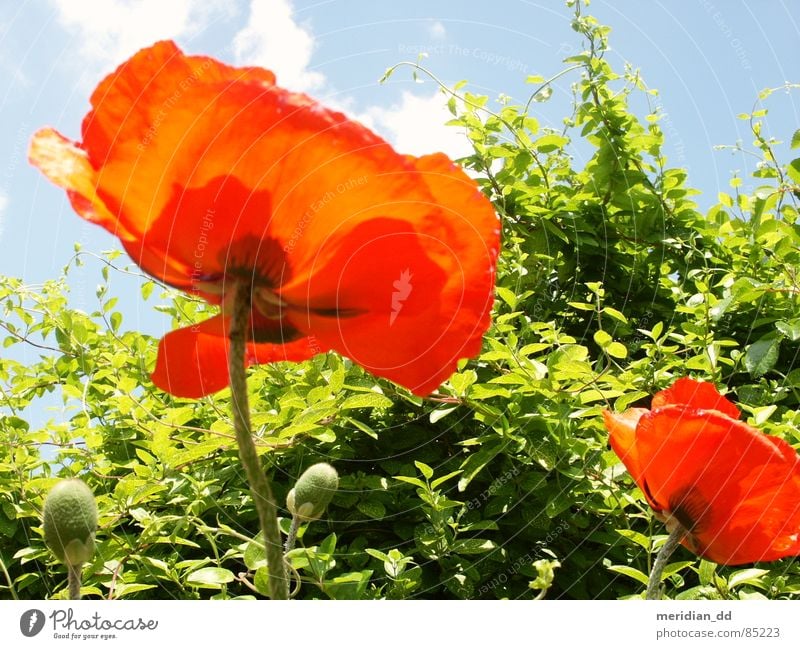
(313,491)
(70,522)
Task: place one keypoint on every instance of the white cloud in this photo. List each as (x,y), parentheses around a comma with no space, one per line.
(437,30)
(110,31)
(272,39)
(417,125)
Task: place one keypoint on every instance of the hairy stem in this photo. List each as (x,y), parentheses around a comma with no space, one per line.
(672,542)
(74,581)
(257,479)
(290,540)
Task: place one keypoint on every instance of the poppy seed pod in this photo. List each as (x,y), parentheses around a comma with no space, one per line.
(313,491)
(70,522)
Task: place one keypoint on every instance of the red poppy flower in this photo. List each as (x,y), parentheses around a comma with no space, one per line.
(212,176)
(735,490)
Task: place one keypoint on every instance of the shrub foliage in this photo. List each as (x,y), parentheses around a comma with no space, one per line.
(611,284)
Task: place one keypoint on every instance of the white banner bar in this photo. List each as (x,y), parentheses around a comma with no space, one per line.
(400,625)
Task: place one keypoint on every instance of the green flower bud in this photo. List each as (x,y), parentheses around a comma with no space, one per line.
(313,491)
(70,522)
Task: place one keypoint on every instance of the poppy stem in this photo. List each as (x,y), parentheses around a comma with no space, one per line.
(259,484)
(672,542)
(74,581)
(292,538)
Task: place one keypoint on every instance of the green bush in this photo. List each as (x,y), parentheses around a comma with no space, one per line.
(611,284)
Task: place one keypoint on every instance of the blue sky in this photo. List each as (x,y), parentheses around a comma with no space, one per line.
(709,59)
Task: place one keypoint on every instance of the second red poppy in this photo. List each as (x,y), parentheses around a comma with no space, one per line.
(733,489)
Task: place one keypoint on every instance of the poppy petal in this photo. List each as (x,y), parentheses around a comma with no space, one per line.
(67,165)
(193,362)
(378,301)
(384,302)
(743,486)
(622,437)
(695,394)
(405,298)
(211,174)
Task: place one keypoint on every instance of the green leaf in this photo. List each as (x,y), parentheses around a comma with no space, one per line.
(461,381)
(147,290)
(793,169)
(372,509)
(551,142)
(508,296)
(255,555)
(674,568)
(567,355)
(796,139)
(762,414)
(472,546)
(482,391)
(706,571)
(210,578)
(476,461)
(633,573)
(121,590)
(762,355)
(381,556)
(366,400)
(441,480)
(751,576)
(261,581)
(351,585)
(440,413)
(602,338)
(617,350)
(415,481)
(328,545)
(616,315)
(424,469)
(638,538)
(789,328)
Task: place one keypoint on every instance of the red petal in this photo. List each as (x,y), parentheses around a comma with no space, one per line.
(695,394)
(622,437)
(210,173)
(66,165)
(214,230)
(193,362)
(744,486)
(388,301)
(413,294)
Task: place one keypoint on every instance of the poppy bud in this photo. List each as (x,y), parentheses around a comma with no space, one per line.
(313,491)
(70,522)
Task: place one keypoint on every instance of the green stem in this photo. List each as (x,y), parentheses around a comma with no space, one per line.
(292,538)
(672,542)
(74,581)
(259,485)
(11,588)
